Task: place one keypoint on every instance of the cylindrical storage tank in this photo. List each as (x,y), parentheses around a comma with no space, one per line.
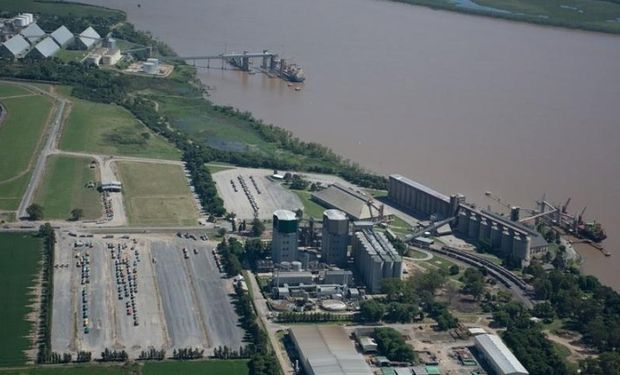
(110,43)
(521,248)
(485,231)
(474,227)
(29,18)
(296,266)
(285,265)
(463,224)
(20,21)
(506,246)
(496,237)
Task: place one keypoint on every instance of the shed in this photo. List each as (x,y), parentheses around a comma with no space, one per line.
(44,49)
(368,344)
(62,36)
(498,356)
(33,33)
(14,47)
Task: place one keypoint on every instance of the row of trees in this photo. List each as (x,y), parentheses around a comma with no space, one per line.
(113,355)
(44,353)
(293,317)
(188,353)
(231,251)
(152,354)
(224,352)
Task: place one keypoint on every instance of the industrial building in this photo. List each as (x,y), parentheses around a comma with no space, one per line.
(375,259)
(341,277)
(23,20)
(501,235)
(151,66)
(44,49)
(87,38)
(506,237)
(14,47)
(335,238)
(62,36)
(111,186)
(285,236)
(292,278)
(111,57)
(421,200)
(32,33)
(498,356)
(355,205)
(327,350)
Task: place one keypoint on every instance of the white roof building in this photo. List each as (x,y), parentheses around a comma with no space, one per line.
(88,38)
(14,47)
(33,33)
(62,36)
(327,350)
(498,356)
(45,48)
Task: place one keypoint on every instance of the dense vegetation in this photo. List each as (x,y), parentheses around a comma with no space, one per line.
(391,344)
(44,354)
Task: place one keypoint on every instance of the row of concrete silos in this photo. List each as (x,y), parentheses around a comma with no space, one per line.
(498,237)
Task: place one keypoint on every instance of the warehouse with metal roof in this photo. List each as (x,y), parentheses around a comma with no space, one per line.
(87,38)
(62,36)
(352,203)
(498,356)
(44,49)
(33,33)
(327,350)
(14,47)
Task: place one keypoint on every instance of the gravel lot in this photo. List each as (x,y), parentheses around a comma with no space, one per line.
(177,302)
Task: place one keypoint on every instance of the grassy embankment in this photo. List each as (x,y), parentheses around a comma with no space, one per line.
(594,15)
(20,254)
(211,367)
(111,130)
(56,8)
(156,194)
(311,208)
(64,188)
(20,134)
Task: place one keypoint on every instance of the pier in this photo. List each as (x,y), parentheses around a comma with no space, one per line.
(269,60)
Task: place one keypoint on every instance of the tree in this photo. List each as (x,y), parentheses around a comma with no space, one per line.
(299,213)
(371,311)
(544,310)
(221,232)
(257,227)
(428,281)
(76,214)
(454,270)
(35,212)
(391,344)
(474,282)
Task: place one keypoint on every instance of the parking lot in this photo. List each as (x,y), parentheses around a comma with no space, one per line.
(246,191)
(138,293)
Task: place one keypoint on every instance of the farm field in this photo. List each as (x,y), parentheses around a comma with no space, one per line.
(211,367)
(20,255)
(156,194)
(111,130)
(64,188)
(69,370)
(20,134)
(7,89)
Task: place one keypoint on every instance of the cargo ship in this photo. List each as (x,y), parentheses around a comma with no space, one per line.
(592,231)
(292,72)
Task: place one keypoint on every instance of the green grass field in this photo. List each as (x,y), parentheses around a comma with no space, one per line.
(311,208)
(20,254)
(64,188)
(55,7)
(214,168)
(597,15)
(211,367)
(20,134)
(111,130)
(70,55)
(6,89)
(156,194)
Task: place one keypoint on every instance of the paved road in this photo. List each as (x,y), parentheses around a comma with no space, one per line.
(50,142)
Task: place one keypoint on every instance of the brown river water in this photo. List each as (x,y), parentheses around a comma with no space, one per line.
(460,103)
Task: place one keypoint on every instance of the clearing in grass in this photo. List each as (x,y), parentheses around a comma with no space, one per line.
(66,186)
(20,254)
(311,208)
(109,129)
(157,194)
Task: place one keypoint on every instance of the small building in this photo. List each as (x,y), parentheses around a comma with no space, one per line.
(423,242)
(62,36)
(44,49)
(21,21)
(33,33)
(367,343)
(292,278)
(111,57)
(340,277)
(111,186)
(474,331)
(93,58)
(87,38)
(14,47)
(498,356)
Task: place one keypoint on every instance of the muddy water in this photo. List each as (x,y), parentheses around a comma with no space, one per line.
(461,103)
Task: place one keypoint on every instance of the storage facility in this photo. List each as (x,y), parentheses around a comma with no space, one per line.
(335,237)
(285,236)
(327,350)
(44,49)
(23,20)
(420,199)
(375,259)
(87,38)
(62,36)
(14,47)
(33,33)
(355,205)
(111,57)
(498,356)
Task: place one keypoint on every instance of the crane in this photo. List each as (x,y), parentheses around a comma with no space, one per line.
(565,206)
(497,199)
